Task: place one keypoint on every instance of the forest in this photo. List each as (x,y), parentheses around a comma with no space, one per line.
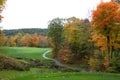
(24,31)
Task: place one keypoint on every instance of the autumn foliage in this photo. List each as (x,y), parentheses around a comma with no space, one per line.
(107,14)
(91,45)
(106,25)
(2,38)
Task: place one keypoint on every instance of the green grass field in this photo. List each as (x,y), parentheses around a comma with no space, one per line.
(46,73)
(34,53)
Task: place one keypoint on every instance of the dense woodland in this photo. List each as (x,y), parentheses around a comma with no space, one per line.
(92,45)
(24,31)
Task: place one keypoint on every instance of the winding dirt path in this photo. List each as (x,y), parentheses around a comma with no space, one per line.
(56,61)
(59,63)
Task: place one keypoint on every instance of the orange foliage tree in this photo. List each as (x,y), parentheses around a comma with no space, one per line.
(35,40)
(106,22)
(26,40)
(43,42)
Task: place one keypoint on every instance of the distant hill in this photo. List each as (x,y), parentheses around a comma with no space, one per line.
(24,31)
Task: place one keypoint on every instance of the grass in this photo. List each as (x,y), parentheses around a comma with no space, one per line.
(46,73)
(34,53)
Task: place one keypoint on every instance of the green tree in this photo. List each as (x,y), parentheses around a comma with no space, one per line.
(55,34)
(2,5)
(118,1)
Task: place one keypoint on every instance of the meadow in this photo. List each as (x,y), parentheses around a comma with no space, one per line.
(46,73)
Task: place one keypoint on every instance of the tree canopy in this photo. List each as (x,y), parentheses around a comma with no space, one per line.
(106,22)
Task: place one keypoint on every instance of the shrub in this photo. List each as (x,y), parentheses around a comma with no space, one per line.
(11,64)
(96,62)
(65,56)
(114,65)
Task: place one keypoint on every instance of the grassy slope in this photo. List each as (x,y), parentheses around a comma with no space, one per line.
(34,53)
(47,74)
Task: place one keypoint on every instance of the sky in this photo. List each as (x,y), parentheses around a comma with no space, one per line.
(37,13)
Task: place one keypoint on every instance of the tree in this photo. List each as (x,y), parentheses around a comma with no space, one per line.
(77,34)
(118,1)
(55,34)
(26,40)
(2,5)
(11,41)
(43,42)
(2,38)
(72,34)
(35,40)
(18,37)
(106,22)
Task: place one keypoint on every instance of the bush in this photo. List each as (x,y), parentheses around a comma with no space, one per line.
(114,65)
(11,64)
(96,62)
(65,56)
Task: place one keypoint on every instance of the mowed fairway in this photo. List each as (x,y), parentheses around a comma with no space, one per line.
(46,73)
(34,53)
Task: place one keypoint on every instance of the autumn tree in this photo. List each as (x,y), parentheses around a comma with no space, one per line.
(77,36)
(26,40)
(2,38)
(43,42)
(2,6)
(55,34)
(11,41)
(18,37)
(73,32)
(106,22)
(34,40)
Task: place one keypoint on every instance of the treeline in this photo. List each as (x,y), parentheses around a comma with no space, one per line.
(26,40)
(25,31)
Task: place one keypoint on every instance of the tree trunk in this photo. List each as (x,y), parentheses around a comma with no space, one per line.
(108,47)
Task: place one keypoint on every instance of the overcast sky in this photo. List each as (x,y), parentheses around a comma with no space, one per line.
(36,13)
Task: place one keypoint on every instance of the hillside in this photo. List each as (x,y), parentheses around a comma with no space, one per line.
(13,32)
